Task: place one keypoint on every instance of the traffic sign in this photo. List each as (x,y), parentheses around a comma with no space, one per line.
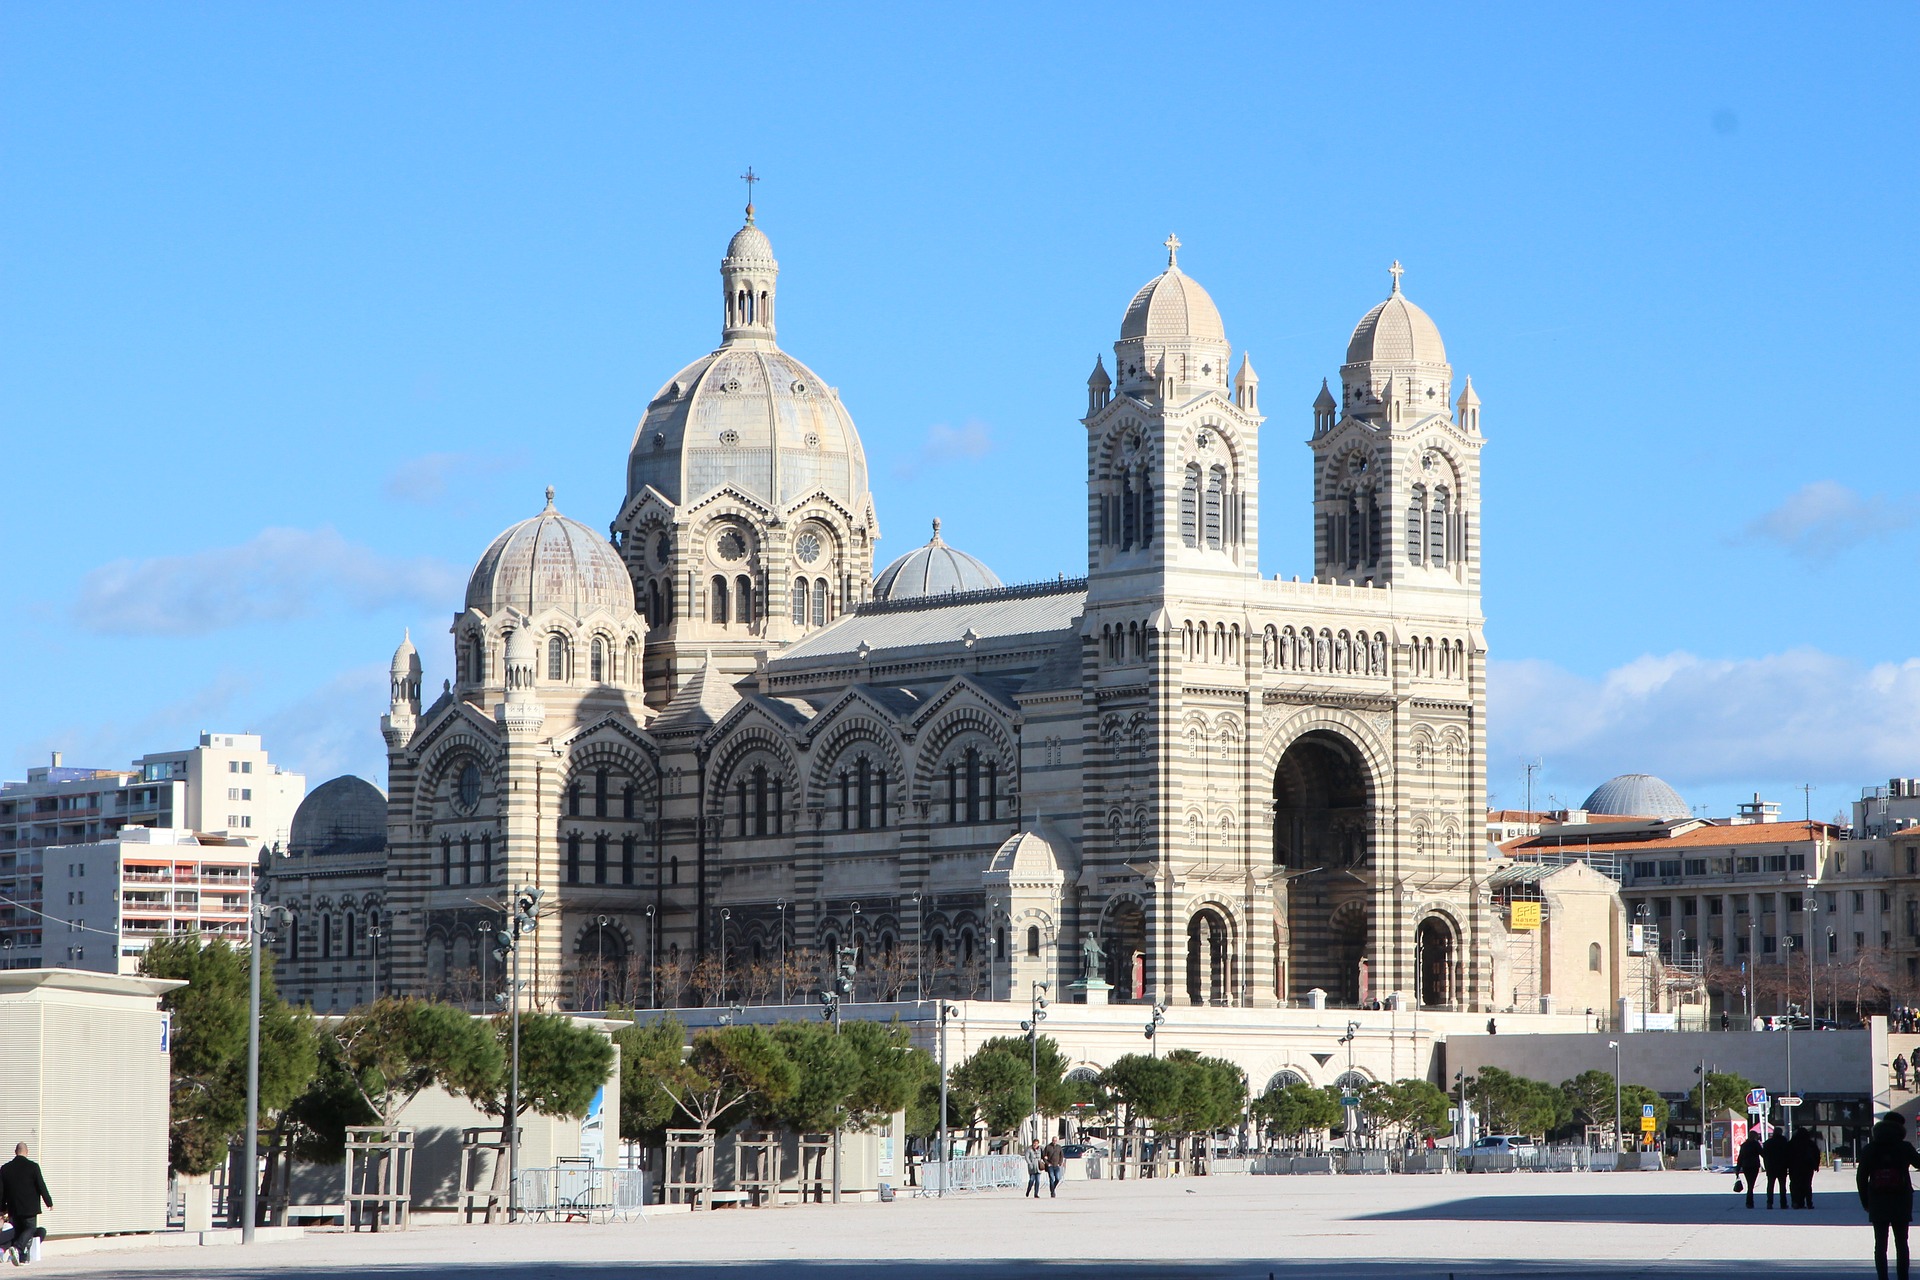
(1646,1111)
(1646,1124)
(1789,1100)
(1757,1100)
(1349,1101)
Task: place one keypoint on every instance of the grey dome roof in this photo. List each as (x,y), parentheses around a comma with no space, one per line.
(750,244)
(550,562)
(935,569)
(344,815)
(1396,332)
(1637,795)
(1172,305)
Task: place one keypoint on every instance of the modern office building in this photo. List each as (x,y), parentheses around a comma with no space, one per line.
(107,900)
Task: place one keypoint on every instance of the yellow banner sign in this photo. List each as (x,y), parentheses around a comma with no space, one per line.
(1523,915)
(1646,1123)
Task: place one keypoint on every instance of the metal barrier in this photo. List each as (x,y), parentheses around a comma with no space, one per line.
(972,1173)
(579,1191)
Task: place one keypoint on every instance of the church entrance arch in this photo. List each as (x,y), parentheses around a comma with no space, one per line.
(1124,935)
(1209,958)
(1323,845)
(1438,946)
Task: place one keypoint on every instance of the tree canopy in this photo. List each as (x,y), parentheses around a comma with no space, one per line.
(1297,1109)
(650,1059)
(1510,1103)
(562,1064)
(394,1048)
(997,1084)
(209,1042)
(729,1067)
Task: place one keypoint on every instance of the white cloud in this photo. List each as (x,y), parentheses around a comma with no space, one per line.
(276,575)
(432,477)
(1792,716)
(1820,520)
(968,442)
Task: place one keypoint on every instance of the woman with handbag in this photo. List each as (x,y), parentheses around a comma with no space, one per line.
(1886,1190)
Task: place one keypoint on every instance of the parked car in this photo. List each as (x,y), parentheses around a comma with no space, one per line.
(1522,1148)
(1798,1022)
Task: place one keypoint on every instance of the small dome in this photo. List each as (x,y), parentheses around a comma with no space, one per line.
(1396,332)
(1637,795)
(1172,305)
(550,562)
(344,815)
(750,244)
(933,570)
(406,658)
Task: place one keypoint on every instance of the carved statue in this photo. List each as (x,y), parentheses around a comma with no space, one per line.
(1092,958)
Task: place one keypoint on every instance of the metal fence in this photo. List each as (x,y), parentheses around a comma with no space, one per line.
(581,1191)
(972,1173)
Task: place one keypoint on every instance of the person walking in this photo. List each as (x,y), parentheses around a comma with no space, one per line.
(1899,1071)
(1886,1189)
(1748,1163)
(1803,1159)
(1035,1163)
(1056,1162)
(1773,1158)
(22,1191)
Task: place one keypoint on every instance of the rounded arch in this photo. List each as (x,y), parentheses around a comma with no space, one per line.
(1284,1078)
(949,732)
(1326,780)
(1213,953)
(1438,958)
(443,762)
(845,738)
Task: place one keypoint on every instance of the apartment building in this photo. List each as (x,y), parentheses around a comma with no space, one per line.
(225,785)
(106,901)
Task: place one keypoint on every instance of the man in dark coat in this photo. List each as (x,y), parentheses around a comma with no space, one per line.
(1886,1190)
(1748,1163)
(1773,1156)
(22,1190)
(1803,1159)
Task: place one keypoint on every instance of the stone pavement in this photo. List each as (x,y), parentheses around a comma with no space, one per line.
(1609,1226)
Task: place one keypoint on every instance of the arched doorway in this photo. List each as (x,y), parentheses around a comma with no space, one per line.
(1323,843)
(1439,965)
(1124,935)
(1209,959)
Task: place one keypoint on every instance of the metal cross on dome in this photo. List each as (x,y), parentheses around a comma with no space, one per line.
(750,177)
(1396,271)
(1173,249)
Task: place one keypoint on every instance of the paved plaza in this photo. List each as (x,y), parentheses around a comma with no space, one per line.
(1226,1228)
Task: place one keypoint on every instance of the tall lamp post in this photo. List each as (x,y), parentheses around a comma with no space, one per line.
(1702,1069)
(919,946)
(1813,911)
(947,1011)
(781,907)
(726,914)
(1752,925)
(260,918)
(1037,1013)
(1618,1137)
(522,918)
(377,928)
(1153,1030)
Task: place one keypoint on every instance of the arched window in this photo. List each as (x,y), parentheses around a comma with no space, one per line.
(632,668)
(1437,529)
(759,800)
(821,601)
(556,658)
(476,659)
(626,858)
(1190,507)
(352,936)
(573,800)
(597,669)
(1354,527)
(486,857)
(799,602)
(1129,512)
(627,794)
(600,858)
(326,937)
(1216,505)
(654,615)
(743,599)
(573,857)
(1417,524)
(1033,939)
(1373,528)
(466,859)
(717,589)
(293,939)
(1593,956)
(600,793)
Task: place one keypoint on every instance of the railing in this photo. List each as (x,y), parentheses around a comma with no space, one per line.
(581,1191)
(972,1173)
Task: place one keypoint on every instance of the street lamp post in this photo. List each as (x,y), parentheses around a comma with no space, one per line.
(600,924)
(1346,1084)
(946,1146)
(781,907)
(1037,1013)
(522,918)
(1153,1030)
(1833,991)
(1752,955)
(726,914)
(919,946)
(1703,1115)
(259,919)
(653,956)
(1618,1137)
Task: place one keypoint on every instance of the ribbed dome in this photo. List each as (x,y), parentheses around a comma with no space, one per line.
(344,815)
(1396,332)
(933,570)
(550,562)
(750,244)
(1637,795)
(1172,305)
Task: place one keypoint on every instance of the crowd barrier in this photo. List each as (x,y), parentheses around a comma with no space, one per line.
(580,1191)
(972,1173)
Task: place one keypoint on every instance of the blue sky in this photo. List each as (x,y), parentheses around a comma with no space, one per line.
(303,304)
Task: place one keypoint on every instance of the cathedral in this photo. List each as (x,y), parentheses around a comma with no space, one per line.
(730,754)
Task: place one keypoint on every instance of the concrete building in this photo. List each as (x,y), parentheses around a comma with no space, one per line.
(1884,811)
(1563,944)
(108,900)
(224,786)
(337,952)
(86,1065)
(721,730)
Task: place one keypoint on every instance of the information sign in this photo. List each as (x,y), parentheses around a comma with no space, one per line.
(1523,915)
(1646,1111)
(1646,1124)
(1789,1100)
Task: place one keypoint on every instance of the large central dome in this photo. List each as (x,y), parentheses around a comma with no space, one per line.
(748,415)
